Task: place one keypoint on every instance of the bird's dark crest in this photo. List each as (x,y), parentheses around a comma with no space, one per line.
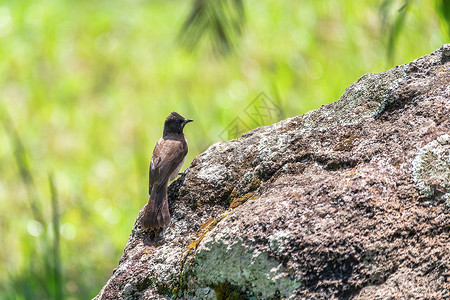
(174,115)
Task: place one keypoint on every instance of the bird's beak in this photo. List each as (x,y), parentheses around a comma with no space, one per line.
(188,120)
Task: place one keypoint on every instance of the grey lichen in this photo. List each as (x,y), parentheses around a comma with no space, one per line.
(431,168)
(446,50)
(206,293)
(270,145)
(128,290)
(248,177)
(277,240)
(214,173)
(220,260)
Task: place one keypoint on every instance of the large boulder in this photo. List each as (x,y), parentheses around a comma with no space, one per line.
(347,201)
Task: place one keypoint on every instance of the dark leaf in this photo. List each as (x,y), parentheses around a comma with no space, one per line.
(219,21)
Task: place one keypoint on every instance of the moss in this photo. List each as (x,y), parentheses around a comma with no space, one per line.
(234,193)
(338,165)
(238,201)
(204,229)
(144,284)
(207,223)
(227,291)
(254,184)
(164,289)
(345,144)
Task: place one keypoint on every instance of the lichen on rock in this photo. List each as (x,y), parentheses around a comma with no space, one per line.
(431,168)
(250,270)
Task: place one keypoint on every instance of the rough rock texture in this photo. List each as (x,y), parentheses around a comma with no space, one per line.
(344,202)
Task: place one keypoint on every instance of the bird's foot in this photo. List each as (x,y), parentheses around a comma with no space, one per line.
(183,173)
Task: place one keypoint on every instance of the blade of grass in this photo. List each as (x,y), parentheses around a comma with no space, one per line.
(57,273)
(25,173)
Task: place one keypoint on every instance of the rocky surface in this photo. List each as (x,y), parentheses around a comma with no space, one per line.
(350,201)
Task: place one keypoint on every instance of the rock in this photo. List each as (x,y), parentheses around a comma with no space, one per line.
(347,201)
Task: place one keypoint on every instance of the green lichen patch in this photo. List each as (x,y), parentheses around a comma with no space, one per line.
(226,259)
(431,168)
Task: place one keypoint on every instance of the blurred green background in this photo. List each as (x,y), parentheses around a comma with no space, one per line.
(86,85)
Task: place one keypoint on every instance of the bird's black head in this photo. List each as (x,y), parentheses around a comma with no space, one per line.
(175,123)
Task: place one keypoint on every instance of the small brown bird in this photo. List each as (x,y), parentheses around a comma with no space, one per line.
(167,159)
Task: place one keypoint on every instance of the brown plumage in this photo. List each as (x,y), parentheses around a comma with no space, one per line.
(167,159)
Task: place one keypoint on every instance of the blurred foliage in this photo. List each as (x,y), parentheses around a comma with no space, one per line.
(86,86)
(393,29)
(222,21)
(393,14)
(443,11)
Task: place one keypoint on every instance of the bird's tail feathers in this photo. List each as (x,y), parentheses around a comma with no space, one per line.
(156,214)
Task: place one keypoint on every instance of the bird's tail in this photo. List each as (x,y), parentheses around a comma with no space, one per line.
(156,214)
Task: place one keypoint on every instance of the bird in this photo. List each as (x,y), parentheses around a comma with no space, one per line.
(167,158)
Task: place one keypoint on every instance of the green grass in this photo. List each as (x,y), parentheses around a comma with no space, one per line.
(88,84)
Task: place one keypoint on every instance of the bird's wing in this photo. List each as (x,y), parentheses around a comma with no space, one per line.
(167,157)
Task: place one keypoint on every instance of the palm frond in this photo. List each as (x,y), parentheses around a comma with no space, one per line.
(221,22)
